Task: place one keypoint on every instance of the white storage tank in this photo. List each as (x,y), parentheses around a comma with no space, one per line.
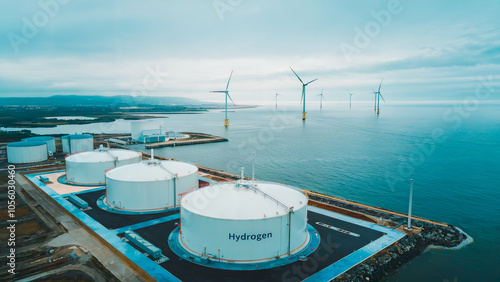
(244,222)
(77,142)
(26,152)
(88,167)
(49,140)
(150,185)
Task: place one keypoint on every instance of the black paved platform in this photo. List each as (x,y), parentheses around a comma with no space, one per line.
(334,246)
(112,220)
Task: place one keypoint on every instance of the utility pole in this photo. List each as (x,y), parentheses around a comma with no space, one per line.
(409,208)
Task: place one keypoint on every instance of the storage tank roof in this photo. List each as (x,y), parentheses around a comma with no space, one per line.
(77,136)
(151,171)
(26,144)
(234,202)
(101,155)
(39,138)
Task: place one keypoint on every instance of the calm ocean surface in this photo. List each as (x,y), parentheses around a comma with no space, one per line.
(452,152)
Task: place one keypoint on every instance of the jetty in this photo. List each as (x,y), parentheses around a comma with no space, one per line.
(193,139)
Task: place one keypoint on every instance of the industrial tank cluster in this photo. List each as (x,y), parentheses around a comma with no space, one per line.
(40,148)
(150,185)
(88,167)
(239,222)
(244,222)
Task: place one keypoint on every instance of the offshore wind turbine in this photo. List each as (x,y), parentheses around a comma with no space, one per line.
(321,99)
(303,97)
(226,121)
(378,95)
(276,99)
(350,98)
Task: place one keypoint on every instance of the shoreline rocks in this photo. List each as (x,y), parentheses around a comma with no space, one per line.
(387,261)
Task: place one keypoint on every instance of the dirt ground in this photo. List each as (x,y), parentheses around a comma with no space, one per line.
(67,262)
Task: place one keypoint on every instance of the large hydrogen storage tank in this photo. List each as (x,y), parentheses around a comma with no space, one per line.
(77,142)
(49,140)
(150,185)
(88,167)
(244,221)
(26,152)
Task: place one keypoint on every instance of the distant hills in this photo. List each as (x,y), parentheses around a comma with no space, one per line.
(78,100)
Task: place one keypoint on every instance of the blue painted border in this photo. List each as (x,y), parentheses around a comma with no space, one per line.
(391,236)
(147,223)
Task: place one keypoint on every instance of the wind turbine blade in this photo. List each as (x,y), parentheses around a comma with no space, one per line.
(380,85)
(381,96)
(297,75)
(374,92)
(227,93)
(323,97)
(222,91)
(229,80)
(311,81)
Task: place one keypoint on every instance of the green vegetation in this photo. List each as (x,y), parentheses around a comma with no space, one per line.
(12,136)
(35,116)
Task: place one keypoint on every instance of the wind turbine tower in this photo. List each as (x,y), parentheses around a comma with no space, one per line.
(303,97)
(350,98)
(378,95)
(321,99)
(226,121)
(276,99)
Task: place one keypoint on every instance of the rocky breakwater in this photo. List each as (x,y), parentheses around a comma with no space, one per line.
(424,234)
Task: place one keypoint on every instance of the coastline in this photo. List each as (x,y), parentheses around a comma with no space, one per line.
(468,240)
(425,235)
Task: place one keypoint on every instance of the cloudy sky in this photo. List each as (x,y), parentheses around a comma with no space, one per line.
(424,50)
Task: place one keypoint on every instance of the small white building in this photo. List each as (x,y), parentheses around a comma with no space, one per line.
(147,131)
